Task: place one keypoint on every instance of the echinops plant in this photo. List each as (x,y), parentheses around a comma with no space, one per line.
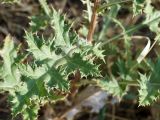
(37,75)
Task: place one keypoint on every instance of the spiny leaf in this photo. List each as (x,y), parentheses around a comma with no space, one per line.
(35,49)
(28,71)
(98,52)
(32,92)
(112,86)
(21,104)
(85,67)
(152,14)
(61,29)
(147,92)
(36,81)
(41,52)
(56,80)
(9,70)
(124,69)
(47,75)
(31,113)
(150,86)
(31,89)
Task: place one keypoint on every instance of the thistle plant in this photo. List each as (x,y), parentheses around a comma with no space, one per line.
(32,83)
(38,74)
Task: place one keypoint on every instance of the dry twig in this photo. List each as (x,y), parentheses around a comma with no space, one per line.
(93,22)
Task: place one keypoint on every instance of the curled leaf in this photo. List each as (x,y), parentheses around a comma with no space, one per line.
(144,52)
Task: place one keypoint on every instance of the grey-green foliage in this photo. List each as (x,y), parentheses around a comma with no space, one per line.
(37,77)
(112,86)
(43,72)
(124,71)
(151,14)
(149,90)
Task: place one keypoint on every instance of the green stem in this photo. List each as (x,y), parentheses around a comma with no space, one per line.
(121,34)
(128,31)
(112,14)
(111,4)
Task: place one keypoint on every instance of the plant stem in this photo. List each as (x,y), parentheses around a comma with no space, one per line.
(121,34)
(111,4)
(128,31)
(93,23)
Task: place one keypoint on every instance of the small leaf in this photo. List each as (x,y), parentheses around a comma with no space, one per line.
(98,52)
(112,86)
(152,15)
(85,67)
(62,37)
(56,80)
(150,86)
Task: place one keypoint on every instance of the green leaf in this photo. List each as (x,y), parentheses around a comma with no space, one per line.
(9,70)
(48,75)
(112,86)
(150,86)
(62,29)
(98,52)
(32,71)
(31,89)
(22,104)
(48,62)
(41,50)
(152,14)
(84,66)
(45,6)
(138,6)
(31,113)
(35,49)
(57,80)
(125,69)
(33,92)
